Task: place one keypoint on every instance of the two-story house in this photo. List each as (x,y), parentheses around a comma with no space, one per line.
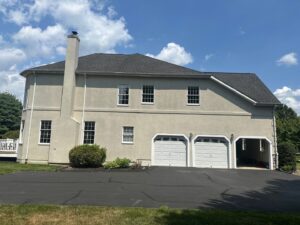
(147,110)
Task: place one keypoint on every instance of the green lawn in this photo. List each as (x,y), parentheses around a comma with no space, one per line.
(85,215)
(12,167)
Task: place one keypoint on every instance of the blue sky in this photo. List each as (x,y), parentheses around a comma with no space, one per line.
(216,35)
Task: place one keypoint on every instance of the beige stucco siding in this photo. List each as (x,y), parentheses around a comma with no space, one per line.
(220,112)
(170,94)
(146,126)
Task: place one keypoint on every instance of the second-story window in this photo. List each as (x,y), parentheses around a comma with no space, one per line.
(148,94)
(123,95)
(89,132)
(193,95)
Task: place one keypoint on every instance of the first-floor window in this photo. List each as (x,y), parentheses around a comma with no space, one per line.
(45,132)
(89,132)
(127,135)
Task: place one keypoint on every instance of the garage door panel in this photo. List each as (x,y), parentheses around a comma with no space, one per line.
(170,151)
(211,152)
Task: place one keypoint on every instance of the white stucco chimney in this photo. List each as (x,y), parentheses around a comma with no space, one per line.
(69,74)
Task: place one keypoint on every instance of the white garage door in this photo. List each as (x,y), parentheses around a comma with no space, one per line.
(211,152)
(170,151)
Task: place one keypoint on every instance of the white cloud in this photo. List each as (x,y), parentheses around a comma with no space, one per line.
(208,57)
(11,81)
(98,31)
(289,59)
(289,97)
(41,43)
(174,53)
(17,17)
(11,56)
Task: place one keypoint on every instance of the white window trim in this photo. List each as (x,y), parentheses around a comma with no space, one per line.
(127,142)
(118,93)
(40,143)
(147,103)
(187,97)
(84,131)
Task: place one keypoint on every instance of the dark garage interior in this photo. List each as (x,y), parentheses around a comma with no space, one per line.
(252,153)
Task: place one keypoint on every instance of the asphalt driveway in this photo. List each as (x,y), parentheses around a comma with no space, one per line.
(173,187)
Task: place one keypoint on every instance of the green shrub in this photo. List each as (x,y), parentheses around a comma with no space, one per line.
(117,163)
(87,156)
(12,134)
(287,156)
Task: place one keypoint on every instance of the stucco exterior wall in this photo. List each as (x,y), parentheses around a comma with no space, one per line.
(221,112)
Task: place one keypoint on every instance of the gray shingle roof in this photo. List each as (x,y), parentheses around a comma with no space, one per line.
(248,84)
(120,63)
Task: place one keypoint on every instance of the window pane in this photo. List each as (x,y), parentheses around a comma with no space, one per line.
(128,134)
(148,93)
(89,132)
(123,95)
(45,132)
(193,95)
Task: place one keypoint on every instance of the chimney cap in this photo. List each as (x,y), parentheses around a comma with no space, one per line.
(74,32)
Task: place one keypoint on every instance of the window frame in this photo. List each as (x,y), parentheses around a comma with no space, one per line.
(193,104)
(84,130)
(118,95)
(142,94)
(40,132)
(127,142)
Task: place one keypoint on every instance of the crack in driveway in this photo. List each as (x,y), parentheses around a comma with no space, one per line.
(73,197)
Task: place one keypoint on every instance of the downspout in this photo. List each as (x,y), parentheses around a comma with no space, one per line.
(83,110)
(30,120)
(275,138)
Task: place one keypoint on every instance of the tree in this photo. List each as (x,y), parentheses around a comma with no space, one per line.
(10,113)
(288,126)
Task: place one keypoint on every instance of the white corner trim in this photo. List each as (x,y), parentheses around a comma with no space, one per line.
(176,135)
(234,90)
(30,120)
(214,136)
(254,137)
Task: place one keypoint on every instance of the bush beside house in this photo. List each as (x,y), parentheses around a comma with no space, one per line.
(87,156)
(118,163)
(287,156)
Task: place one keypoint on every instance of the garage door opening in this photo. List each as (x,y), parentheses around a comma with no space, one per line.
(253,153)
(169,150)
(211,152)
